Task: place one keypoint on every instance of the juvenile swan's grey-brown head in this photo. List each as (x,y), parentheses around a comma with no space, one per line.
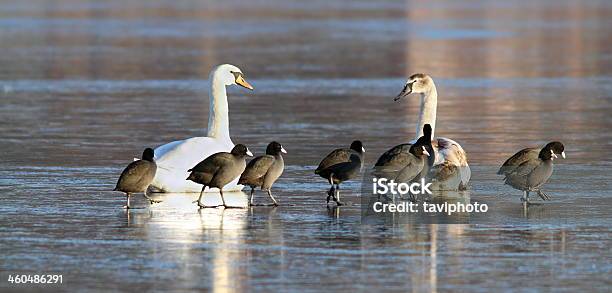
(417,83)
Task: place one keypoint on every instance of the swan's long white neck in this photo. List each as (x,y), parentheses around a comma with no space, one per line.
(218,117)
(427,114)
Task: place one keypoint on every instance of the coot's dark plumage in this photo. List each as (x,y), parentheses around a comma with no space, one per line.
(530,168)
(407,162)
(137,176)
(219,169)
(341,165)
(264,170)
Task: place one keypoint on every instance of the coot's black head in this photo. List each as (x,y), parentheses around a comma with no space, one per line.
(274,148)
(426,141)
(148,154)
(421,146)
(241,151)
(357,146)
(551,150)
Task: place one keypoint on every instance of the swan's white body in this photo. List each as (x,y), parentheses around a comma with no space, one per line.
(451,170)
(175,158)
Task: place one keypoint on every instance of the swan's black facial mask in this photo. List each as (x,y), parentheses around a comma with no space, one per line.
(239,79)
(406,91)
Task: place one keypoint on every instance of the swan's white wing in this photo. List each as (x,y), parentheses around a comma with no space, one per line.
(175,158)
(184,154)
(161,150)
(449,150)
(449,153)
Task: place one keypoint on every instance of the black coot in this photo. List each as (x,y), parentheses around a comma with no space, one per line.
(137,177)
(219,169)
(530,168)
(339,166)
(264,170)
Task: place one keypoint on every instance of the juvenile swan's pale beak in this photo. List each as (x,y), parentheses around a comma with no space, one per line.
(563,154)
(405,91)
(242,82)
(283,150)
(362,149)
(249,153)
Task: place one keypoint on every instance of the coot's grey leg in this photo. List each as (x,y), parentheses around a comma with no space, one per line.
(127,201)
(151,201)
(251,196)
(199,201)
(222,198)
(337,196)
(330,194)
(332,191)
(528,197)
(543,195)
(525,197)
(272,197)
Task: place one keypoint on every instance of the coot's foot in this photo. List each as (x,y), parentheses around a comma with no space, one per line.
(132,208)
(202,206)
(230,207)
(543,195)
(151,201)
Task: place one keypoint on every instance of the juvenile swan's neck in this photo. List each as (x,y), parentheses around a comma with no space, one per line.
(218,117)
(427,115)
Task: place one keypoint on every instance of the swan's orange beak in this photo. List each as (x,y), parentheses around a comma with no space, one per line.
(242,82)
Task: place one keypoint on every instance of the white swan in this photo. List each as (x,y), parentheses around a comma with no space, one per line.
(450,170)
(175,158)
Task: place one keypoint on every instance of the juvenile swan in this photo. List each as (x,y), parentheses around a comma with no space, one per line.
(341,165)
(137,176)
(176,157)
(450,170)
(530,168)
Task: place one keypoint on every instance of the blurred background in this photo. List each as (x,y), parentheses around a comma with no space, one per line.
(86,85)
(534,70)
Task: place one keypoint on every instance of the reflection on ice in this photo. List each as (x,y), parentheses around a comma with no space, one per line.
(234,199)
(178,218)
(178,221)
